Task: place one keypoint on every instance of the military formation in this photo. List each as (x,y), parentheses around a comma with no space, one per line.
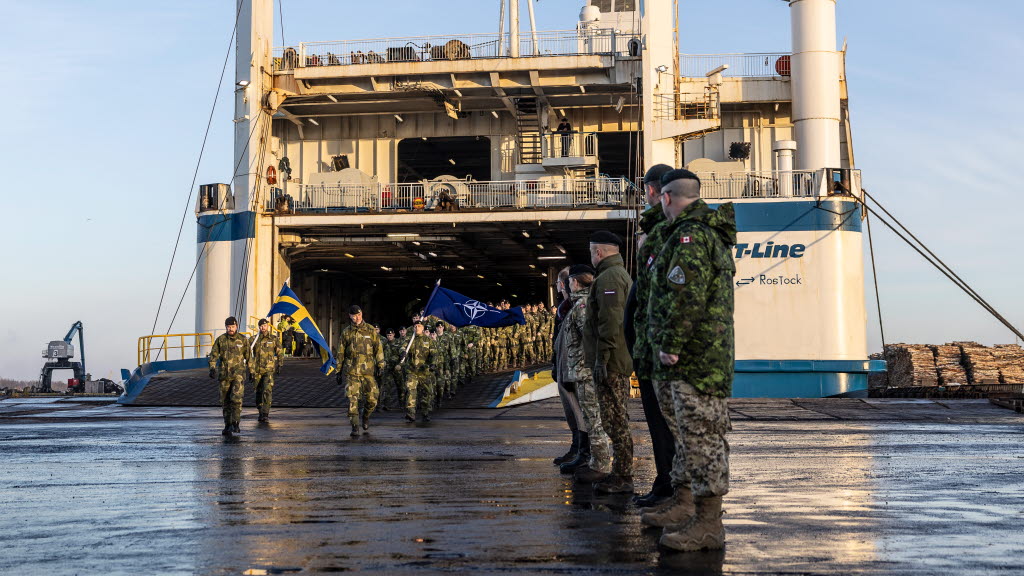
(415,369)
(673,329)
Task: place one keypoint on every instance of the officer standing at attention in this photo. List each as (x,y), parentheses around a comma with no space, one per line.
(690,326)
(360,353)
(663,440)
(229,363)
(605,347)
(267,358)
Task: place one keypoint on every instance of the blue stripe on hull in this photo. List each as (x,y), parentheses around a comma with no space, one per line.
(226,227)
(798,216)
(797,384)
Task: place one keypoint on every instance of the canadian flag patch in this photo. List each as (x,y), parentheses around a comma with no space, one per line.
(684,240)
(650,260)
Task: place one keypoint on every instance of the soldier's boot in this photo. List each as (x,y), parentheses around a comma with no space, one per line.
(582,456)
(614,484)
(703,532)
(226,431)
(409,418)
(263,417)
(426,417)
(235,428)
(660,506)
(366,420)
(587,475)
(679,509)
(573,449)
(355,431)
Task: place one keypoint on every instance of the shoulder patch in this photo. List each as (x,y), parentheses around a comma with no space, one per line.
(685,240)
(677,276)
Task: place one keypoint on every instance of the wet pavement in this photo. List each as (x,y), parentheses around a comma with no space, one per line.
(818,487)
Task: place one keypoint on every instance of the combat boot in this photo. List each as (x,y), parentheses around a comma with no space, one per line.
(409,419)
(262,418)
(366,420)
(614,484)
(679,510)
(587,475)
(703,532)
(226,431)
(582,456)
(355,431)
(573,449)
(235,428)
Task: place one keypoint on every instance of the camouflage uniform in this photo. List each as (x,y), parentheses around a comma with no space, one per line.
(442,358)
(232,353)
(600,443)
(691,314)
(605,344)
(419,388)
(359,354)
(390,395)
(472,338)
(267,357)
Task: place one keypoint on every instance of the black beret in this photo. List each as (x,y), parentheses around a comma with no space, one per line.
(654,173)
(354,309)
(673,175)
(231,321)
(605,237)
(263,321)
(577,269)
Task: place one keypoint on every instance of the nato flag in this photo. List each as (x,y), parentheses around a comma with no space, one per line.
(460,310)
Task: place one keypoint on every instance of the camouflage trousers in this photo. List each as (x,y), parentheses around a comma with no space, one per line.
(453,376)
(600,444)
(264,392)
(419,393)
(231,390)
(360,388)
(612,395)
(699,423)
(390,395)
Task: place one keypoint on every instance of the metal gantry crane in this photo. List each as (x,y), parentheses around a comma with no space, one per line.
(58,356)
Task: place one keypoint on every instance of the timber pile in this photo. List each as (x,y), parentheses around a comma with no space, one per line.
(911,365)
(877,380)
(981,364)
(1011,363)
(948,358)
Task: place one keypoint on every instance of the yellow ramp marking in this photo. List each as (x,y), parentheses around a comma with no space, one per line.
(528,385)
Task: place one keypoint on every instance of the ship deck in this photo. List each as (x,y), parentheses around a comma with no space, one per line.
(823,486)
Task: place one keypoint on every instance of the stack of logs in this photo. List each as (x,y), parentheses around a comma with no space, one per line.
(956,363)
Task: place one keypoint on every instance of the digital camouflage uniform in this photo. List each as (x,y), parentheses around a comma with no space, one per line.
(579,372)
(690,313)
(605,343)
(230,357)
(267,357)
(418,384)
(360,354)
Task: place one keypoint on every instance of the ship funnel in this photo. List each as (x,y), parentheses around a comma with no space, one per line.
(815,83)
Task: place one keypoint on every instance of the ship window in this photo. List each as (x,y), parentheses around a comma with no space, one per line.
(605,6)
(625,5)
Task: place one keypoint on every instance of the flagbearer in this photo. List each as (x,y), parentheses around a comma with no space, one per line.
(231,351)
(267,358)
(360,354)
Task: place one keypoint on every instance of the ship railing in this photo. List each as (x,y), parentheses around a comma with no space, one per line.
(454,194)
(159,347)
(688,106)
(453,47)
(568,144)
(780,184)
(754,65)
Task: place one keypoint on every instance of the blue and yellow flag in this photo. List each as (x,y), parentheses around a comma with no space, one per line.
(288,303)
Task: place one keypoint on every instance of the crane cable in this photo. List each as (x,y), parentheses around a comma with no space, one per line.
(935,261)
(195,174)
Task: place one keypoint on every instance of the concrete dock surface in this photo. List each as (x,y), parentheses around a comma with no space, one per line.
(825,486)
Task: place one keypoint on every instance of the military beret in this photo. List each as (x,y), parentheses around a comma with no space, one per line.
(231,321)
(605,237)
(577,269)
(262,322)
(354,309)
(654,173)
(390,331)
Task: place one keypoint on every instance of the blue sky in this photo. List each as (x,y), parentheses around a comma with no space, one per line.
(107,101)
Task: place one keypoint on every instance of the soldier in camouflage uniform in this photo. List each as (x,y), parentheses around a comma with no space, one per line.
(419,388)
(267,359)
(690,326)
(458,347)
(442,358)
(594,461)
(389,395)
(229,363)
(360,354)
(605,346)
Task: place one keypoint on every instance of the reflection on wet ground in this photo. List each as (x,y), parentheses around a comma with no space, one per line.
(817,488)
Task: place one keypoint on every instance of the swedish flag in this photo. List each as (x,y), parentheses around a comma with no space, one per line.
(288,303)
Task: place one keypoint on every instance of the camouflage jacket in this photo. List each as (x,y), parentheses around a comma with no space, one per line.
(471,338)
(574,324)
(421,354)
(359,350)
(652,223)
(604,338)
(392,351)
(267,355)
(691,311)
(232,352)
